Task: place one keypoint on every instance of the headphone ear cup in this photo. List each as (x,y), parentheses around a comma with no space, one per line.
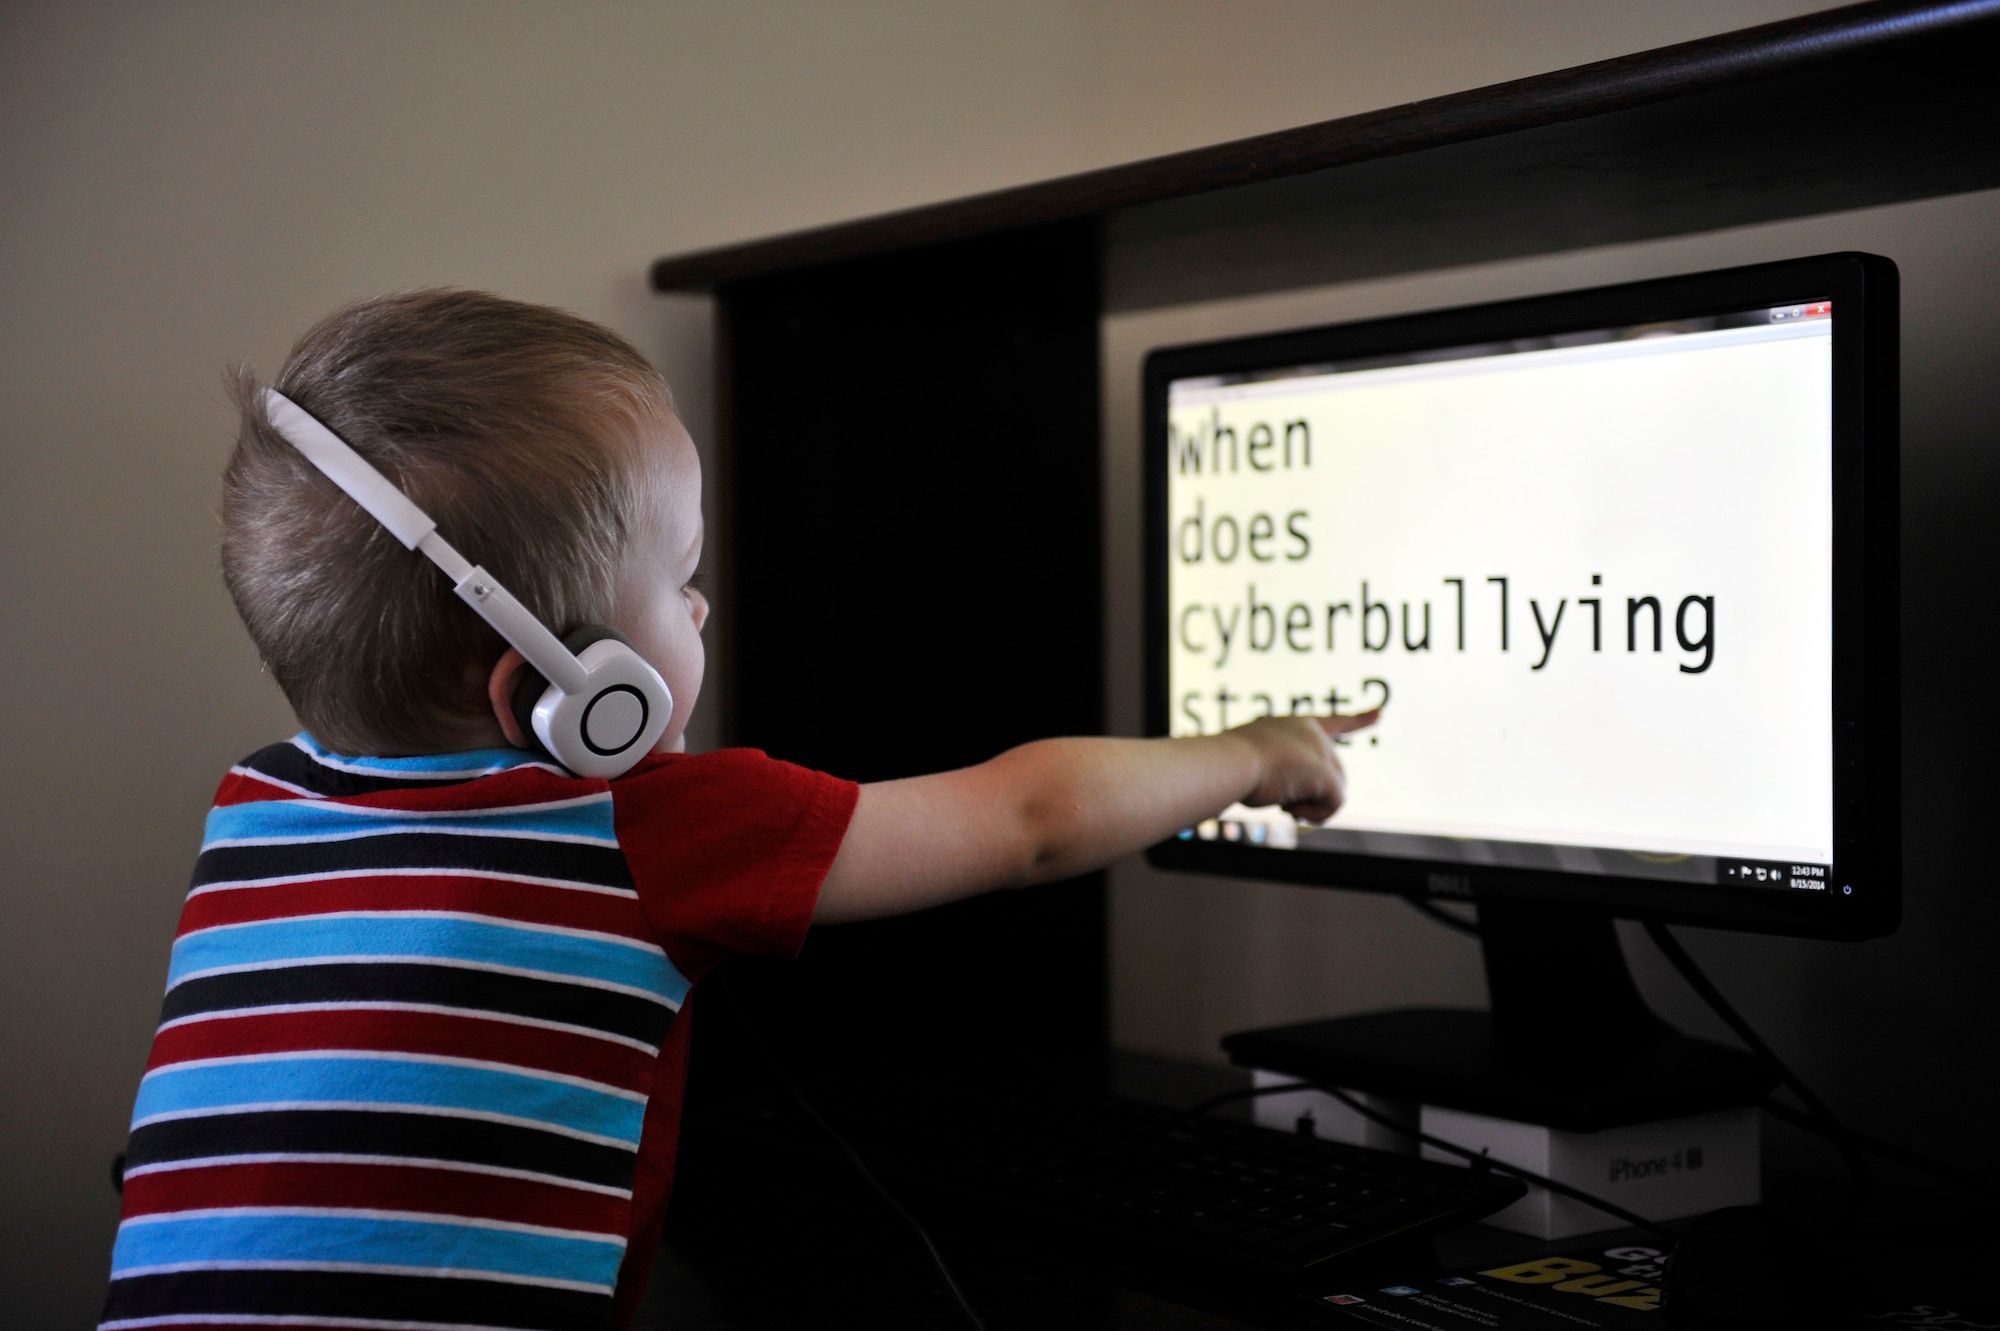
(530,684)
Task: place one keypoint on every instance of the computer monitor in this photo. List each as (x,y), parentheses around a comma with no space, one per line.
(1619,566)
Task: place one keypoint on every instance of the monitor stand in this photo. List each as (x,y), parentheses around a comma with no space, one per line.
(1568,1041)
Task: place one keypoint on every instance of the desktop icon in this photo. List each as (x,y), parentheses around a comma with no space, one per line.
(1401,1289)
(1342,1300)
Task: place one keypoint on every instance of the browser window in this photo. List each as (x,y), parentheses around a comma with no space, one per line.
(1572,570)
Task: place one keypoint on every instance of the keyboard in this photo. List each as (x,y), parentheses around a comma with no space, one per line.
(1222,1189)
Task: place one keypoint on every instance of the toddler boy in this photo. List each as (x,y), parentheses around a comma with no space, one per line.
(422,1049)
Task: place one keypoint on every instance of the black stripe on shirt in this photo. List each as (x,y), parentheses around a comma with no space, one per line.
(414,852)
(468,1141)
(294,766)
(474,991)
(444,1299)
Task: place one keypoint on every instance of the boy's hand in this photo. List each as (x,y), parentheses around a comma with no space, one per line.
(1299,767)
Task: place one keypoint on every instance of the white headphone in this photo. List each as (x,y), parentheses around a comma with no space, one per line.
(602,707)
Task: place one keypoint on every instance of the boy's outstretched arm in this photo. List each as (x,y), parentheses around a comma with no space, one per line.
(1061,807)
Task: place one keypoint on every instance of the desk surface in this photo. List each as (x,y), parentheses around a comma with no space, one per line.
(780,1236)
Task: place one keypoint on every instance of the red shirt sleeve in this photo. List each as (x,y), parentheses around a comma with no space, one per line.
(728,850)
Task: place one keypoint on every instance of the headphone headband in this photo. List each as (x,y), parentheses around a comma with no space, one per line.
(600,711)
(416,529)
(348,470)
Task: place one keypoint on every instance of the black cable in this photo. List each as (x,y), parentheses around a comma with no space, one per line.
(853,1157)
(1815,1118)
(1893,1153)
(1476,1158)
(1858,1168)
(1423,906)
(1670,947)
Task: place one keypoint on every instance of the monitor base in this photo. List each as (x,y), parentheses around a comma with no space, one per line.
(1569,1043)
(1451,1058)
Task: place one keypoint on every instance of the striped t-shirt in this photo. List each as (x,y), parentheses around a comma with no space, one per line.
(419,1062)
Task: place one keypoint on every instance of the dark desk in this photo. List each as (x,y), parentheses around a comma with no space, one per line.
(780,1233)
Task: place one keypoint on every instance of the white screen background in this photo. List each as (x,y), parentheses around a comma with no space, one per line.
(1689,465)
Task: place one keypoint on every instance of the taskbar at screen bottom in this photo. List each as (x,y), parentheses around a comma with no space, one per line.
(1708,870)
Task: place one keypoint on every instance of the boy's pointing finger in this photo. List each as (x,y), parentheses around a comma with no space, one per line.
(1341,725)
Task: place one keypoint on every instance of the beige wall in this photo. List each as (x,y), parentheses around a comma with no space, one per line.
(187,184)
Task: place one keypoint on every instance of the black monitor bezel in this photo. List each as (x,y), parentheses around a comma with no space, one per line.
(1867,815)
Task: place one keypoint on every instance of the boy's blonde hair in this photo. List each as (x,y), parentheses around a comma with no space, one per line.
(519,428)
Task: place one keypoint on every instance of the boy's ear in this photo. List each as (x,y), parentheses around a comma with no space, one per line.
(500,693)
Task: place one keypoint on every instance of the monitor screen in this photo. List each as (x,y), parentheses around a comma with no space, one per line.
(1587,572)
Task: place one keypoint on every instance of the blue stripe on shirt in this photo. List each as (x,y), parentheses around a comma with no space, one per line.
(287,820)
(363,1239)
(473,762)
(313,1078)
(394,934)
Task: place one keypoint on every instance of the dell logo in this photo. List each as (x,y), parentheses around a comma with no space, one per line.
(1449,885)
